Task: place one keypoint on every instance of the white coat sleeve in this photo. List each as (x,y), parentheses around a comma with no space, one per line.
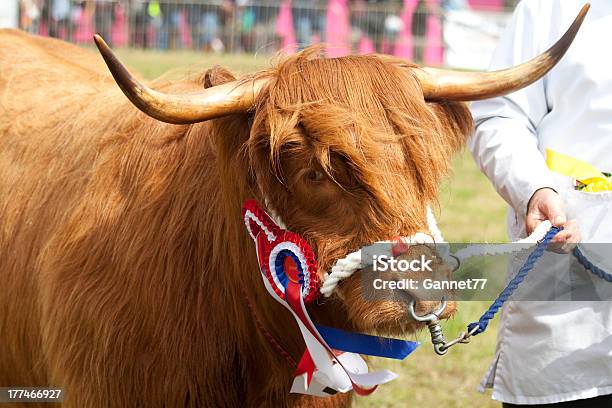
(505,140)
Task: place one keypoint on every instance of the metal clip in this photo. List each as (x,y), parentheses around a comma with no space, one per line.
(435,330)
(463,338)
(433,324)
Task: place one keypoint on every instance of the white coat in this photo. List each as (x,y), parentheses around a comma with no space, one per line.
(552,351)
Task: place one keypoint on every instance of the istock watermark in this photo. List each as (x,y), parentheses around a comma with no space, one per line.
(386,263)
(429,272)
(429,284)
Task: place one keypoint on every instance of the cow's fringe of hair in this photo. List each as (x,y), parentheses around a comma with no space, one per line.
(349,118)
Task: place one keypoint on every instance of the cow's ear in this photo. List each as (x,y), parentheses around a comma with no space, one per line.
(456,122)
(216,76)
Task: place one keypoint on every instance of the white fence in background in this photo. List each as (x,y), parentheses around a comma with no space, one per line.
(433,32)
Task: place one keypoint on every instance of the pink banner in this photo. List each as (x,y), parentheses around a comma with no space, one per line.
(434,47)
(84,28)
(338,28)
(184,30)
(487,4)
(120,27)
(284,27)
(403,45)
(366,46)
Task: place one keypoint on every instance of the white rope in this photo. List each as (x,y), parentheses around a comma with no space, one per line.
(502,249)
(347,266)
(432,225)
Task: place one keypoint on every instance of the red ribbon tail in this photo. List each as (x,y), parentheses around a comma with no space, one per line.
(363,391)
(306,365)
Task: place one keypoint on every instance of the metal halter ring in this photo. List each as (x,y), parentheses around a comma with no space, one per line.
(428,317)
(433,324)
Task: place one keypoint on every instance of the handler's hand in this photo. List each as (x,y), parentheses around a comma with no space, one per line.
(546,204)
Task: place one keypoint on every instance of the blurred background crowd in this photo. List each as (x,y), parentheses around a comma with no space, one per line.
(419,30)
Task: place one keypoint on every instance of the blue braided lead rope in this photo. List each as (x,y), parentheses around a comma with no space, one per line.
(589,265)
(483,322)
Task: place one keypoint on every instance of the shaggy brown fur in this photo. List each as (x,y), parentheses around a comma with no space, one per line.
(122,252)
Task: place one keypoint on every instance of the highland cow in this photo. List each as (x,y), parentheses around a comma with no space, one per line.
(127,275)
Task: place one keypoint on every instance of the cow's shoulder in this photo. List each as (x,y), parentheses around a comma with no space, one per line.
(27,52)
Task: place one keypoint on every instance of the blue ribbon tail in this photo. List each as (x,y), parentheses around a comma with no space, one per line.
(365,344)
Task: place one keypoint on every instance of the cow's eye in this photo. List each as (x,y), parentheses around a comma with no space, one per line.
(315,176)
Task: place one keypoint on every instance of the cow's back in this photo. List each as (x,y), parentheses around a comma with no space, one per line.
(42,172)
(62,122)
(101,208)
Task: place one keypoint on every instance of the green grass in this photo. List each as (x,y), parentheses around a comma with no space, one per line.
(469,211)
(152,64)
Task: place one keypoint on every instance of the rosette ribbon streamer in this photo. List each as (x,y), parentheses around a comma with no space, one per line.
(332,361)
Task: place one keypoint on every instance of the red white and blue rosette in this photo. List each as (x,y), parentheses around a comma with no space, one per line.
(283,255)
(331,362)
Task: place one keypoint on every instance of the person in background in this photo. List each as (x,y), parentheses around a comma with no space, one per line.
(257,23)
(228,25)
(419,30)
(204,21)
(455,5)
(164,30)
(194,16)
(29,15)
(552,353)
(59,25)
(139,23)
(372,18)
(169,35)
(104,19)
(308,21)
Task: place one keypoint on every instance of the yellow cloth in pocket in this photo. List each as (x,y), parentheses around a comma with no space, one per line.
(594,180)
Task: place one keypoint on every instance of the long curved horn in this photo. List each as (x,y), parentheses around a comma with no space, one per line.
(221,100)
(448,85)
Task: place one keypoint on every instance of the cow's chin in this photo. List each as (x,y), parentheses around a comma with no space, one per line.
(388,315)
